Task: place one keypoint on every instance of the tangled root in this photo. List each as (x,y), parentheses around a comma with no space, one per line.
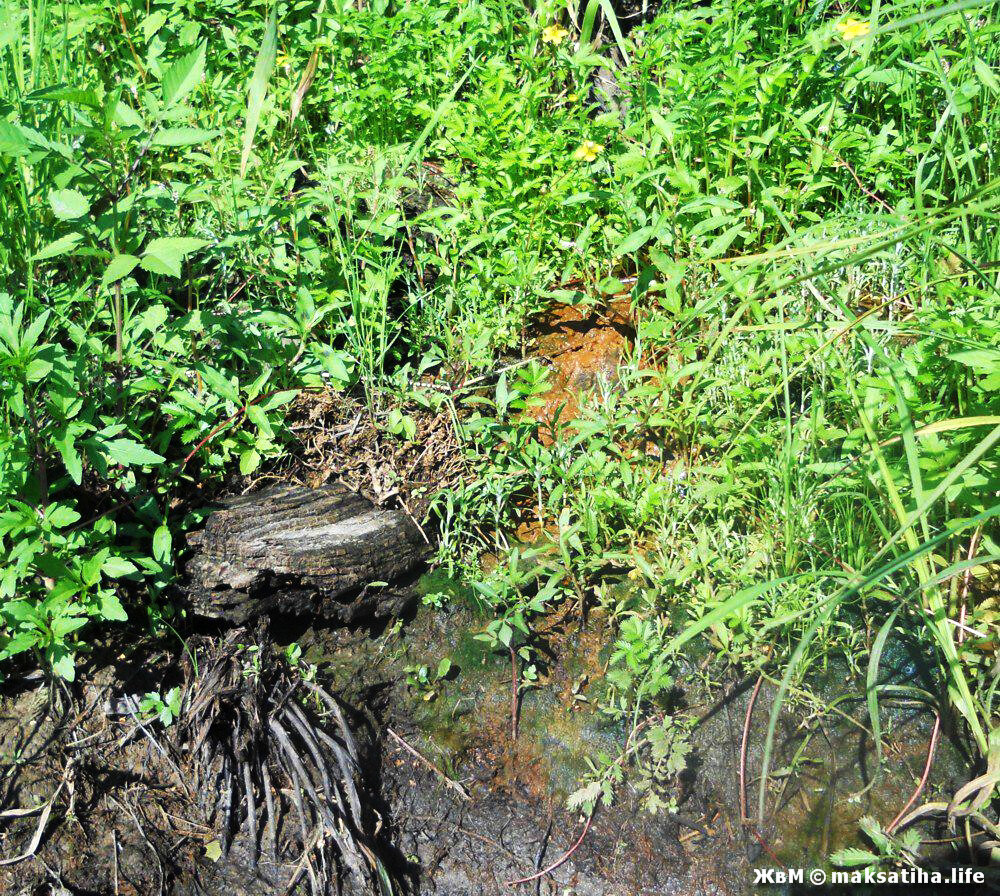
(278,757)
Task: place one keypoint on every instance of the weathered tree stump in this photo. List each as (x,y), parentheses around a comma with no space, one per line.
(303,551)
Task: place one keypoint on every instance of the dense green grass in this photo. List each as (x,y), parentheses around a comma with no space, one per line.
(207,206)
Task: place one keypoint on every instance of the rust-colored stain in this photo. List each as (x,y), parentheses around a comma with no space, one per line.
(584,345)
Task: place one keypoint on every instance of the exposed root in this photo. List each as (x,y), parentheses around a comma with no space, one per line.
(276,744)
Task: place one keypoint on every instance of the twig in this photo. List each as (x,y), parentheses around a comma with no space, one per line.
(563,858)
(935,731)
(128,40)
(513,696)
(743,750)
(451,782)
(413,520)
(146,840)
(766,848)
(114,855)
(542,846)
(300,866)
(973,544)
(923,780)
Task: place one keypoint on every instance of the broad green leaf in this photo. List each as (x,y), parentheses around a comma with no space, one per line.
(68,204)
(21,642)
(60,515)
(162,542)
(986,75)
(70,457)
(153,23)
(115,567)
(165,254)
(111,608)
(249,461)
(128,452)
(119,266)
(81,96)
(983,360)
(12,141)
(126,116)
(179,80)
(58,247)
(258,86)
(63,662)
(635,240)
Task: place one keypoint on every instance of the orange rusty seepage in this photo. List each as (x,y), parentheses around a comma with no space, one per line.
(583,344)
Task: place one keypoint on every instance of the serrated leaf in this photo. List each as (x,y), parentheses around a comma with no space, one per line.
(258,86)
(70,457)
(12,141)
(183,136)
(585,796)
(126,116)
(63,663)
(21,642)
(68,204)
(853,858)
(128,452)
(179,80)
(60,515)
(58,247)
(119,266)
(111,608)
(165,254)
(249,461)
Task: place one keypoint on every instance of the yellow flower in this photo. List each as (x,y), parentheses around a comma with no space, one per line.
(588,151)
(554,34)
(850,29)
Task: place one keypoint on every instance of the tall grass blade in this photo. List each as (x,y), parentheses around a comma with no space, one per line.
(258,86)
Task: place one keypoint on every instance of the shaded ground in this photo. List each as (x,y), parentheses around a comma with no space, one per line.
(128,815)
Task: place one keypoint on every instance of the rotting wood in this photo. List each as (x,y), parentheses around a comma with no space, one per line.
(303,551)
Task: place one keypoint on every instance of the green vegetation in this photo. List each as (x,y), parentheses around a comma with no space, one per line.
(207,207)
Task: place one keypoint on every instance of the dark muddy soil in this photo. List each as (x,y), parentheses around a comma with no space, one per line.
(457,806)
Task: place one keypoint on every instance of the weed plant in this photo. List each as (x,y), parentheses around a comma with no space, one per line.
(207,207)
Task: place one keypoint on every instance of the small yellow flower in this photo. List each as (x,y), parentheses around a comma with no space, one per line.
(588,151)
(554,34)
(573,98)
(851,29)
